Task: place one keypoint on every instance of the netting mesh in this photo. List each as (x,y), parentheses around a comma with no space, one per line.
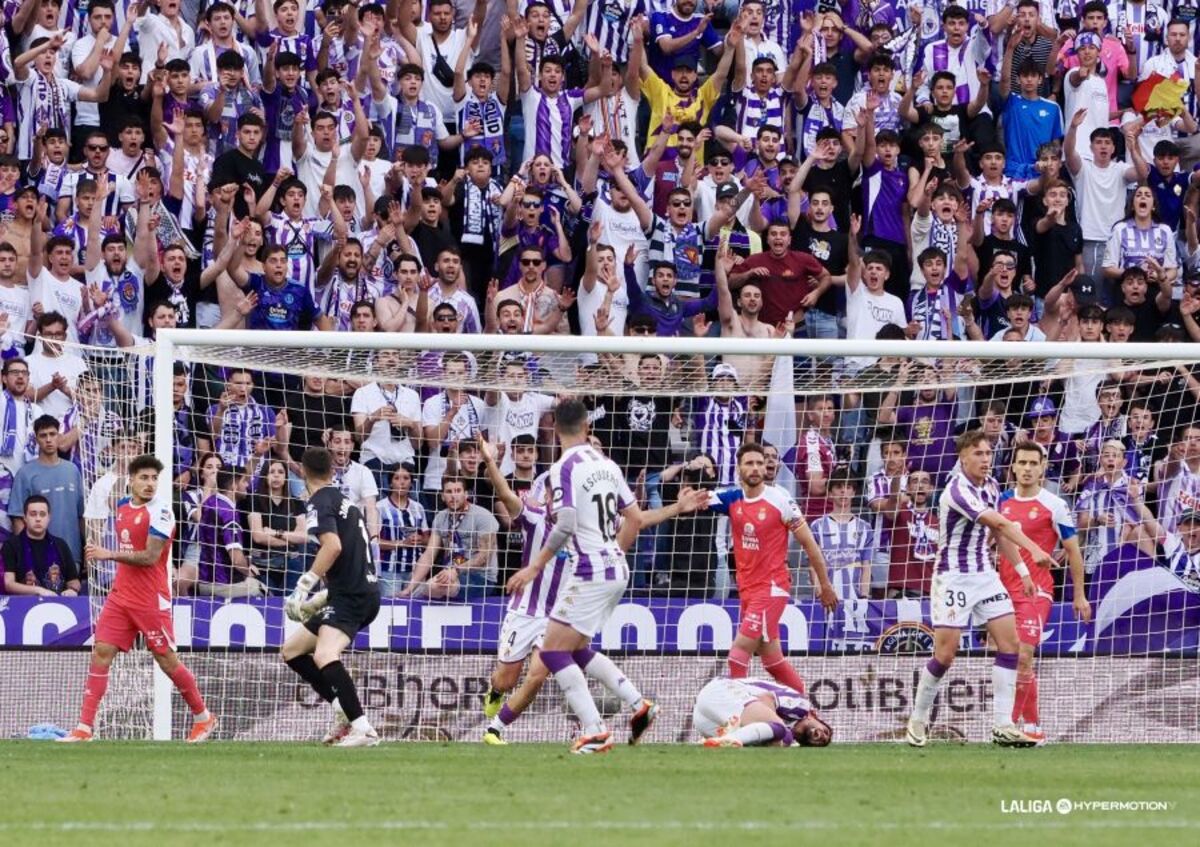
(865,445)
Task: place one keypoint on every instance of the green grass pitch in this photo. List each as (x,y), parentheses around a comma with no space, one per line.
(467,794)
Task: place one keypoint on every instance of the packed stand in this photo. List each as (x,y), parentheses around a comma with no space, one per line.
(1002,171)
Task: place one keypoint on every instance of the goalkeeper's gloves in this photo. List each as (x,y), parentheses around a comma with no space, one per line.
(313,605)
(293,607)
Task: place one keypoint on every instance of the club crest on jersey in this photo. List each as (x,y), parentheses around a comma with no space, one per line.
(762,514)
(125,536)
(1033,513)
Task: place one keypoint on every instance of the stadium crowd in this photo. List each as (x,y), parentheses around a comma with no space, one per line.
(1009,170)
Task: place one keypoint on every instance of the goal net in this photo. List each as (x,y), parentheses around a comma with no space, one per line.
(860,434)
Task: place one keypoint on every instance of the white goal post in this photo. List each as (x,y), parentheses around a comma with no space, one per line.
(815,370)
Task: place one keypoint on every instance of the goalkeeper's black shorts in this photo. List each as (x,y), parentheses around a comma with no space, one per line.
(350,613)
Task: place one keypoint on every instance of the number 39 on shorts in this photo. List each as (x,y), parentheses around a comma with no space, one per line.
(955,599)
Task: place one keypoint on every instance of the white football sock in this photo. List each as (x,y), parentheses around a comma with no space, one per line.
(927,690)
(755,733)
(337,707)
(1004,693)
(574,688)
(602,668)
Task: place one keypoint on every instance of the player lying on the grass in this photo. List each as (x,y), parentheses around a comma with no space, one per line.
(761,518)
(350,602)
(967,591)
(595,512)
(1046,520)
(140,600)
(752,712)
(528,611)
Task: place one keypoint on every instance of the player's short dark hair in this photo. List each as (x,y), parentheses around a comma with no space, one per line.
(929,254)
(524,440)
(248,119)
(882,59)
(34,500)
(954,12)
(1018,301)
(45,422)
(146,461)
(287,59)
(843,477)
(877,257)
(1031,68)
(570,416)
(476,153)
(942,75)
(1004,205)
(317,462)
(1120,315)
(750,447)
(1028,446)
(455,480)
(1093,6)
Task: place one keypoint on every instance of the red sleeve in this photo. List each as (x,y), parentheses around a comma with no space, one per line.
(811,267)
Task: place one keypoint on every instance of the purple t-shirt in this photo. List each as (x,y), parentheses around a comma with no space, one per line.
(540,236)
(668,25)
(219,533)
(884,194)
(930,428)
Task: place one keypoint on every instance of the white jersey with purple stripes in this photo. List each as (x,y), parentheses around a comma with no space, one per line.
(585,480)
(789,704)
(537,598)
(299,239)
(848,546)
(965,546)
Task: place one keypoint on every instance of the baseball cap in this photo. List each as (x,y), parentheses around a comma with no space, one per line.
(725,370)
(1042,407)
(684,61)
(727,191)
(1085,290)
(1189,516)
(1087,39)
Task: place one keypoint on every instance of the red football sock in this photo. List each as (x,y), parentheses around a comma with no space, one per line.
(1023,683)
(186,683)
(1031,701)
(93,693)
(783,673)
(739,663)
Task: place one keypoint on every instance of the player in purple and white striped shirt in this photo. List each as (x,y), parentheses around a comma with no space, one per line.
(529,609)
(967,590)
(753,712)
(596,514)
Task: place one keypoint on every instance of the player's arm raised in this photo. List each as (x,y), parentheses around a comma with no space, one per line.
(138,558)
(510,501)
(816,561)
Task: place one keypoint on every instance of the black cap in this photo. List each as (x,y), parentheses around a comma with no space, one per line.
(727,191)
(1085,290)
(683,60)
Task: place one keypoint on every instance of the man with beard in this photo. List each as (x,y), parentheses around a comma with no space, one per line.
(341,276)
(791,281)
(450,289)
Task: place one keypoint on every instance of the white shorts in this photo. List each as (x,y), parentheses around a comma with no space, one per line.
(585,606)
(519,635)
(964,600)
(719,706)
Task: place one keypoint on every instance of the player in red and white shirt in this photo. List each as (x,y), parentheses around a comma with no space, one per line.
(140,601)
(761,518)
(1046,520)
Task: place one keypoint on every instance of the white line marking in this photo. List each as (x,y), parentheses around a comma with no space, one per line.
(1029,822)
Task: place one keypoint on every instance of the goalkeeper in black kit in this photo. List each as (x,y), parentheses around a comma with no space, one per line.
(332,617)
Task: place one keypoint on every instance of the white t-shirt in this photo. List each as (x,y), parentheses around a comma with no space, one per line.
(1090,94)
(866,314)
(470,419)
(433,91)
(310,170)
(62,296)
(379,443)
(1101,198)
(42,369)
(154,29)
(590,301)
(357,483)
(706,201)
(510,418)
(14,302)
(86,114)
(619,230)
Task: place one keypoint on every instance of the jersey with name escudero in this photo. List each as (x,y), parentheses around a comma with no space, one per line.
(585,480)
